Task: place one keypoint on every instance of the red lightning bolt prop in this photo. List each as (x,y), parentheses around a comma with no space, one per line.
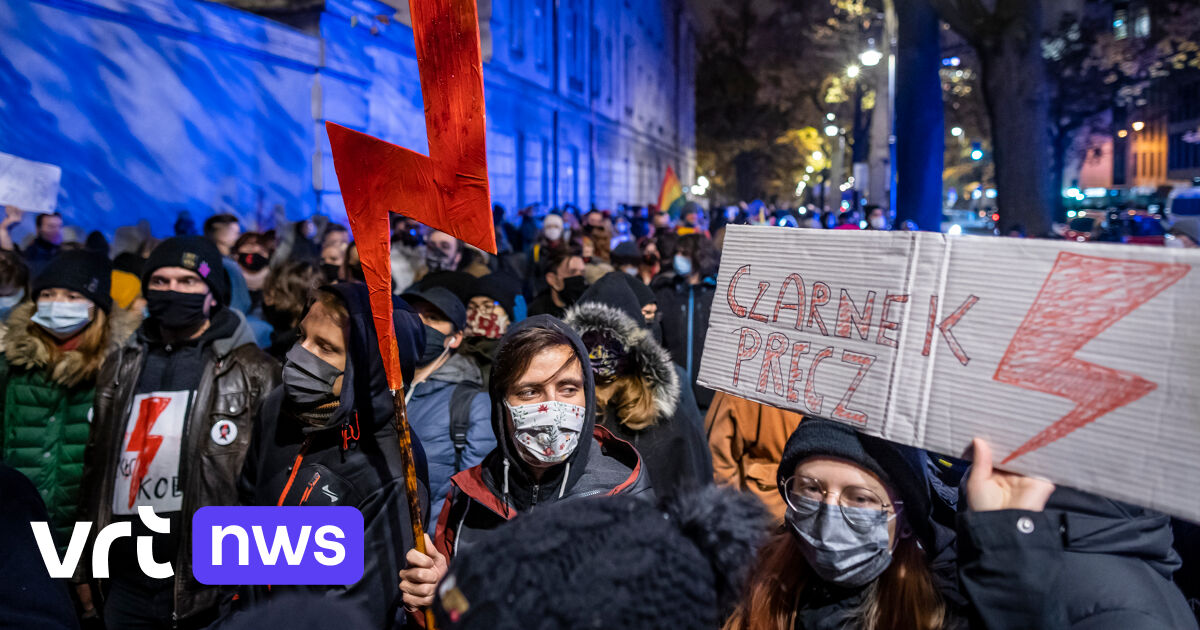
(1082,297)
(142,443)
(448,190)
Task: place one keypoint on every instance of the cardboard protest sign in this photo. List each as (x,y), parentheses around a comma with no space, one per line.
(1078,361)
(28,185)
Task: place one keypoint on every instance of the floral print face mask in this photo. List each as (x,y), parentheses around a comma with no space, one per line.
(549,430)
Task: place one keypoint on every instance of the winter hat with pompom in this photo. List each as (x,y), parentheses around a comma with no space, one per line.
(608,562)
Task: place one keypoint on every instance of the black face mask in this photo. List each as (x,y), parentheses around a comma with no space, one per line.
(330,271)
(307,379)
(253,262)
(435,345)
(573,289)
(176,311)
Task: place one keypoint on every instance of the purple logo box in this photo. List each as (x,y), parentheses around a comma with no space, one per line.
(277,545)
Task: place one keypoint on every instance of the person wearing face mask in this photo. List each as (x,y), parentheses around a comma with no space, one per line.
(14,287)
(442,253)
(638,388)
(876,218)
(326,437)
(54,346)
(191,376)
(447,407)
(684,304)
(551,238)
(493,302)
(549,449)
(565,283)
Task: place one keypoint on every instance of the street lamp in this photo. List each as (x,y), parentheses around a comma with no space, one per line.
(1122,133)
(818,156)
(829,116)
(852,71)
(956,131)
(1138,125)
(831,130)
(870,57)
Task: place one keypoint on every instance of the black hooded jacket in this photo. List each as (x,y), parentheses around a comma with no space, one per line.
(353,460)
(485,496)
(1085,562)
(674,447)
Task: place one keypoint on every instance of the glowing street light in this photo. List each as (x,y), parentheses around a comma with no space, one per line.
(809,169)
(956,131)
(976,155)
(817,156)
(1138,125)
(702,181)
(831,130)
(852,71)
(870,57)
(1122,133)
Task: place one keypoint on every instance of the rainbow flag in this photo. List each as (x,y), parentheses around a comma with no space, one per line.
(670,197)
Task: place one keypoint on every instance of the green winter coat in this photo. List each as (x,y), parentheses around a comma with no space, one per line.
(46,412)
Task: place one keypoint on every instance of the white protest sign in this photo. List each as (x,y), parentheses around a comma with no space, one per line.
(28,185)
(1079,362)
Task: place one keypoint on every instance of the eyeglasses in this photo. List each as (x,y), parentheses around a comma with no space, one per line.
(859,506)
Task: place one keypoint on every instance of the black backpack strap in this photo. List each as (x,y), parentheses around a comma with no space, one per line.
(460,418)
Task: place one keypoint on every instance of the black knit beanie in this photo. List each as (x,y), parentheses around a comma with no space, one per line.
(84,272)
(194,253)
(817,437)
(608,562)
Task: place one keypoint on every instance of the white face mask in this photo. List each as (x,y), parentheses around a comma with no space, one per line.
(9,302)
(878,223)
(549,431)
(553,233)
(63,319)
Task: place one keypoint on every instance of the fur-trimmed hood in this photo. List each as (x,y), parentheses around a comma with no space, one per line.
(629,349)
(26,350)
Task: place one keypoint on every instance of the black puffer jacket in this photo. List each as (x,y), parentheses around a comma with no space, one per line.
(672,440)
(1085,562)
(497,490)
(353,460)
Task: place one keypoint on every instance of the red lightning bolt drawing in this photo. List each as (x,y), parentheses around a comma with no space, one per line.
(142,443)
(1082,297)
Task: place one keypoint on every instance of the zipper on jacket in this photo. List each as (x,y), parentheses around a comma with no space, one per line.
(536,488)
(294,469)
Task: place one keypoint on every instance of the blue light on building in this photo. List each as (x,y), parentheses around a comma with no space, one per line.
(156,106)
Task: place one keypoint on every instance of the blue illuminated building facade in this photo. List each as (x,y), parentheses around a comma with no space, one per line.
(156,106)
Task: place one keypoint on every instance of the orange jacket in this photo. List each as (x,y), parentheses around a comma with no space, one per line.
(747,439)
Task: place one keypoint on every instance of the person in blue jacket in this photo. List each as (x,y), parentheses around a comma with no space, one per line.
(448,409)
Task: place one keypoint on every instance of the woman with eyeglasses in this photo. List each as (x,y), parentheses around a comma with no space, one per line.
(848,555)
(857,551)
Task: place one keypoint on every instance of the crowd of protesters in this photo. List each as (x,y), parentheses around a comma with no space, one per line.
(571,470)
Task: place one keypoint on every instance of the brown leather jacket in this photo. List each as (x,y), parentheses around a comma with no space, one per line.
(747,439)
(237,375)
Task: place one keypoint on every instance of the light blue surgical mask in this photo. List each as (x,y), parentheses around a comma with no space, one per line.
(683,265)
(63,319)
(9,302)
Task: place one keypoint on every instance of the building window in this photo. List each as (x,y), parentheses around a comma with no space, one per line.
(1141,24)
(516,21)
(1120,24)
(541,18)
(594,67)
(574,37)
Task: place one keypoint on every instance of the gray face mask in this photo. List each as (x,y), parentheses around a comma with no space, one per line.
(307,379)
(838,552)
